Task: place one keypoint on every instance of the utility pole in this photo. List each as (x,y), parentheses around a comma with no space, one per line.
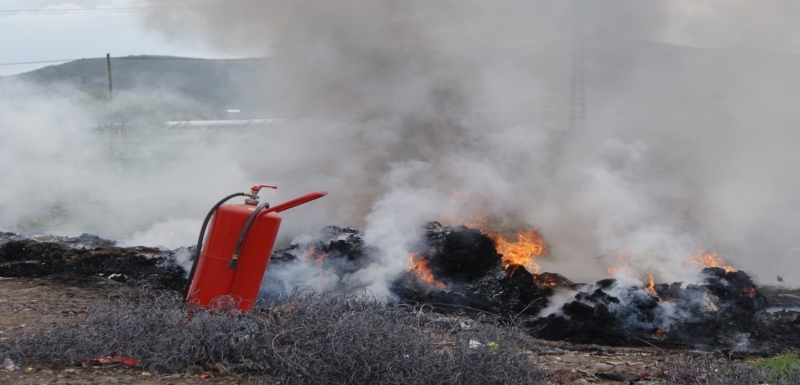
(577,106)
(108,64)
(111,124)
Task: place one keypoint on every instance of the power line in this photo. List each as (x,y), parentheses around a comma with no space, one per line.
(127,58)
(37,62)
(95,10)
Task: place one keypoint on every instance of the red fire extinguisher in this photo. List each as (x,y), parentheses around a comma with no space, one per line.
(235,255)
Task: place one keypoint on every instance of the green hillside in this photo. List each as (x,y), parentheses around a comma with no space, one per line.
(215,84)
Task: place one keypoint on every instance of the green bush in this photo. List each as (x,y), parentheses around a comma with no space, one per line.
(778,368)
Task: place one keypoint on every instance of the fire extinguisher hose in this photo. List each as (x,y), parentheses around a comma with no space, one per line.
(235,259)
(200,240)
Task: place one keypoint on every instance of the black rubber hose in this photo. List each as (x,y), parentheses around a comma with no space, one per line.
(200,240)
(235,258)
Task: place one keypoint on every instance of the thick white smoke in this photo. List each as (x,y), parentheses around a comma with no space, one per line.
(398,106)
(65,174)
(405,111)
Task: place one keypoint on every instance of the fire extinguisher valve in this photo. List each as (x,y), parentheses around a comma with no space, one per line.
(252,197)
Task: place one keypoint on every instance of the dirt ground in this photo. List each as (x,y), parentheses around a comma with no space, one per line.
(28,305)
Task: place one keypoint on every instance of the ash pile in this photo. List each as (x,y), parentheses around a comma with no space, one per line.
(87,258)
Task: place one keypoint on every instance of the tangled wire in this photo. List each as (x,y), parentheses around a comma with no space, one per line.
(331,338)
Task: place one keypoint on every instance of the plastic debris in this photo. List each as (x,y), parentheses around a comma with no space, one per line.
(147,374)
(9,365)
(474,344)
(205,376)
(493,345)
(114,360)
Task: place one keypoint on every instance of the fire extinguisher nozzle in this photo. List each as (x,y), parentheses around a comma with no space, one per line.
(234,262)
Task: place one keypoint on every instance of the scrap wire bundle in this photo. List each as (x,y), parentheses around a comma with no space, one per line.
(309,338)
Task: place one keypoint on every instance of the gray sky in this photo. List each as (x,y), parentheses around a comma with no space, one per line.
(42,36)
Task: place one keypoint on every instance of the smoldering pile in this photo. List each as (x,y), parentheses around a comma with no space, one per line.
(720,312)
(89,256)
(459,270)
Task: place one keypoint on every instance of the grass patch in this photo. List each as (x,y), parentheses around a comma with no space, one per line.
(778,368)
(711,369)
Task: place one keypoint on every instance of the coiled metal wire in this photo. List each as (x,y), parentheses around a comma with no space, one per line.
(312,338)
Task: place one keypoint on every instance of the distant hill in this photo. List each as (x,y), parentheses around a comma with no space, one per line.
(218,84)
(639,76)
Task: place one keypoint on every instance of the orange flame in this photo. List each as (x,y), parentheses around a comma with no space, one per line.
(751,291)
(624,267)
(623,264)
(419,266)
(652,286)
(476,222)
(457,211)
(707,259)
(539,280)
(312,252)
(458,197)
(528,247)
(319,256)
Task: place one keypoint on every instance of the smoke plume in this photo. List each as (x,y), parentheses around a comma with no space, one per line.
(445,110)
(409,110)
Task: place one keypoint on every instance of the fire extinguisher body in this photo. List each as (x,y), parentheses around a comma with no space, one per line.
(213,277)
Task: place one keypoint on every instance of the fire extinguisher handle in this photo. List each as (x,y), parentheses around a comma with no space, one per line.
(252,197)
(258,187)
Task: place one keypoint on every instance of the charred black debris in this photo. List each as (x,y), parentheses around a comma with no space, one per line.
(725,311)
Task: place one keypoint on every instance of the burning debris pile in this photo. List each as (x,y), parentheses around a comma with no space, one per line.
(323,260)
(720,312)
(464,271)
(455,266)
(467,271)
